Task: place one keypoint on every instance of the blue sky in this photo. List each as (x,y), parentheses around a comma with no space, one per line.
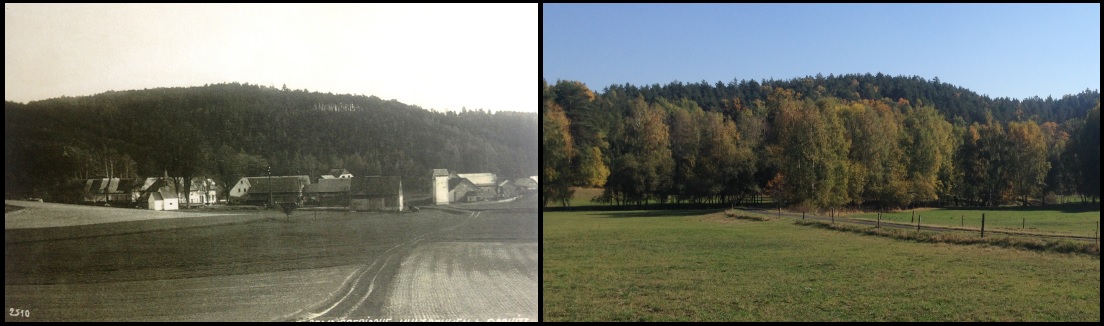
(1002,50)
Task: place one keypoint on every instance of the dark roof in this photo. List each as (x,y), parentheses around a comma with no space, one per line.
(377,186)
(155,184)
(126,185)
(167,194)
(330,185)
(440,172)
(276,184)
(454,182)
(525,182)
(98,186)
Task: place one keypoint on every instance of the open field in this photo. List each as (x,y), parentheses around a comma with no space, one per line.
(698,265)
(1066,219)
(262,266)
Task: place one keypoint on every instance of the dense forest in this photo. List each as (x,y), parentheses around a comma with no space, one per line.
(818,143)
(227,131)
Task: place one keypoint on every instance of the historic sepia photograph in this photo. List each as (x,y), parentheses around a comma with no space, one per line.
(271,162)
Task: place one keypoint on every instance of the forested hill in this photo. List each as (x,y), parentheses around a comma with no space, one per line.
(818,142)
(226,131)
(950,100)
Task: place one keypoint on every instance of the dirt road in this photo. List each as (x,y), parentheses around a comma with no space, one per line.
(467,263)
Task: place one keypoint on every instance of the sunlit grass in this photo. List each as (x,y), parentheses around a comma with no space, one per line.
(703,266)
(1073,220)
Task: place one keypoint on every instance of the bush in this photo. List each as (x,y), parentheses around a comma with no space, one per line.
(733,214)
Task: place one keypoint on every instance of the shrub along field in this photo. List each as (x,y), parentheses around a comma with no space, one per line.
(581,197)
(701,265)
(1070,219)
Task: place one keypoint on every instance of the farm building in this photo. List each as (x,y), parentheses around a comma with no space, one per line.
(529,183)
(463,190)
(163,201)
(377,193)
(508,188)
(338,174)
(440,187)
(487,183)
(271,191)
(108,190)
(328,192)
(155,188)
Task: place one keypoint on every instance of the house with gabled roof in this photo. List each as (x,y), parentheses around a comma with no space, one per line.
(486,182)
(163,200)
(463,190)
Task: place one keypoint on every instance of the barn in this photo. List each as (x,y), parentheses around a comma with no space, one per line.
(508,189)
(377,193)
(486,182)
(463,190)
(329,192)
(271,191)
(108,190)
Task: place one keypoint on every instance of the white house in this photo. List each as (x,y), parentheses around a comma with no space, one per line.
(163,201)
(239,191)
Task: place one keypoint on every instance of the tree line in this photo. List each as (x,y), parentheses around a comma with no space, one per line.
(839,146)
(227,131)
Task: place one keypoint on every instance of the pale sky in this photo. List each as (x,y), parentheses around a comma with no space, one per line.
(436,56)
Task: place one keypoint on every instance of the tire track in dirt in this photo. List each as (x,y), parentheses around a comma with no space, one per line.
(365,296)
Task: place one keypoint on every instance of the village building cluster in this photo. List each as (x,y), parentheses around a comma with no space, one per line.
(338,189)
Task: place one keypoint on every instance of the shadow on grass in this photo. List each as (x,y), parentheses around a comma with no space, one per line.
(1065,208)
(659,213)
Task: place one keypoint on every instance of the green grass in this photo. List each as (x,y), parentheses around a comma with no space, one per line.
(698,265)
(966,238)
(1066,219)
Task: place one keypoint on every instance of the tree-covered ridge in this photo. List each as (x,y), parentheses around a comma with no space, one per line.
(698,143)
(950,100)
(226,131)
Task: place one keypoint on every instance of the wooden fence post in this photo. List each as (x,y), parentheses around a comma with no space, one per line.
(960,220)
(913,219)
(879,220)
(918,224)
(1023,223)
(982,225)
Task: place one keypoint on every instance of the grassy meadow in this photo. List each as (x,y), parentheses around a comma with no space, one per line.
(1070,219)
(699,265)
